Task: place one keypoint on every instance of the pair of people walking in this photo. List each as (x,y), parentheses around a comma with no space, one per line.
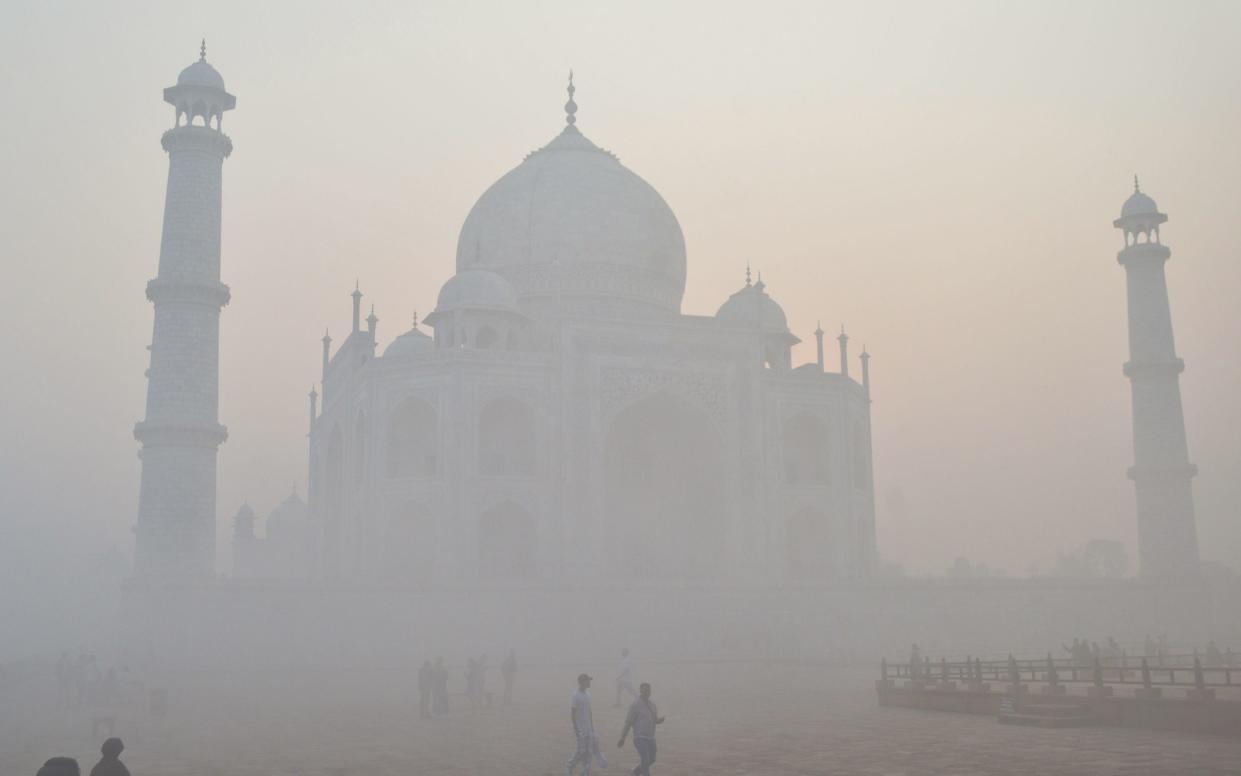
(642,718)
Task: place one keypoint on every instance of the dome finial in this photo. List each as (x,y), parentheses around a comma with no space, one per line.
(570,107)
(747,274)
(202,52)
(1135,184)
(415,319)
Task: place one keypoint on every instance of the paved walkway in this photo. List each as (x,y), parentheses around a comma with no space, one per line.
(722,719)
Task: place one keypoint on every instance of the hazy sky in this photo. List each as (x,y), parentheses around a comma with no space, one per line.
(941,178)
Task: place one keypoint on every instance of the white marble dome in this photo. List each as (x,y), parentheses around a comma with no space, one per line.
(410,343)
(201,74)
(1138,204)
(572,220)
(751,306)
(477,289)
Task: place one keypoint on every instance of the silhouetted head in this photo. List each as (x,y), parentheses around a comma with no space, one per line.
(583,681)
(644,690)
(112,748)
(60,766)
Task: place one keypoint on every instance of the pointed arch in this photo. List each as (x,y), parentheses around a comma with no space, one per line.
(807,450)
(808,546)
(412,448)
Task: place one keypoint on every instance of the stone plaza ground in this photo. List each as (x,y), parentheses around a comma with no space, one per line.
(722,718)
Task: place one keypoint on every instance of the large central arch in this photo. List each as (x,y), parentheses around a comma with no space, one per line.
(665,503)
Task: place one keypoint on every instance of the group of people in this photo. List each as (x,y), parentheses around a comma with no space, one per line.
(433,684)
(80,682)
(641,720)
(109,763)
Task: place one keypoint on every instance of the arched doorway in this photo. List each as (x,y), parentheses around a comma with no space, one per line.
(413,440)
(809,540)
(807,450)
(665,502)
(506,543)
(506,438)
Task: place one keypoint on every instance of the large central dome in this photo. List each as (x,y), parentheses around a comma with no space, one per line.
(572,223)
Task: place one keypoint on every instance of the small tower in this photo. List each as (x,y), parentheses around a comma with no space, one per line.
(843,339)
(818,340)
(175,533)
(1162,473)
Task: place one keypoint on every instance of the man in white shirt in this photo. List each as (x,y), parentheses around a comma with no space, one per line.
(642,719)
(587,741)
(624,682)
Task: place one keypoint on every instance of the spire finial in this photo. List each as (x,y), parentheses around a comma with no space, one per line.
(570,107)
(202,52)
(1135,183)
(747,274)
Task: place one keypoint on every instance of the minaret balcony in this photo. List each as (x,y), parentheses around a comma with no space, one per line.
(195,138)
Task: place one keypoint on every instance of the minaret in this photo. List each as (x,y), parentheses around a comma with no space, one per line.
(175,534)
(843,339)
(818,339)
(1167,534)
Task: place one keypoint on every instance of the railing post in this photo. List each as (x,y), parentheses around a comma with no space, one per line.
(1199,680)
(943,668)
(1098,673)
(1146,675)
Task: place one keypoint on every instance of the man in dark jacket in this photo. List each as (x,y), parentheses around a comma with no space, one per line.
(110,764)
(60,766)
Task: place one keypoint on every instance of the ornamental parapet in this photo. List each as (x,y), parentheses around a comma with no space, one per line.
(191,138)
(208,292)
(170,434)
(1170,368)
(1173,473)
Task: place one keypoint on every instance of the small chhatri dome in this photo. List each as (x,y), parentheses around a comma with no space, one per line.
(1138,203)
(289,515)
(201,73)
(410,343)
(751,306)
(477,289)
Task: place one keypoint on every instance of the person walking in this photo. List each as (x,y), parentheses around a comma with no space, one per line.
(624,680)
(110,764)
(642,718)
(586,741)
(508,670)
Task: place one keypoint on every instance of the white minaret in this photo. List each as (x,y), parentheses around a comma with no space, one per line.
(181,432)
(1167,535)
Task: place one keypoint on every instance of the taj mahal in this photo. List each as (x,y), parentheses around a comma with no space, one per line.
(557,425)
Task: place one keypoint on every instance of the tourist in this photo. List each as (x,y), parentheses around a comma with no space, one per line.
(624,681)
(508,670)
(426,681)
(110,764)
(60,766)
(915,661)
(642,718)
(439,691)
(586,741)
(1214,658)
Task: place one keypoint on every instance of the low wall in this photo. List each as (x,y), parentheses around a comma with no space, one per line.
(1204,715)
(258,623)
